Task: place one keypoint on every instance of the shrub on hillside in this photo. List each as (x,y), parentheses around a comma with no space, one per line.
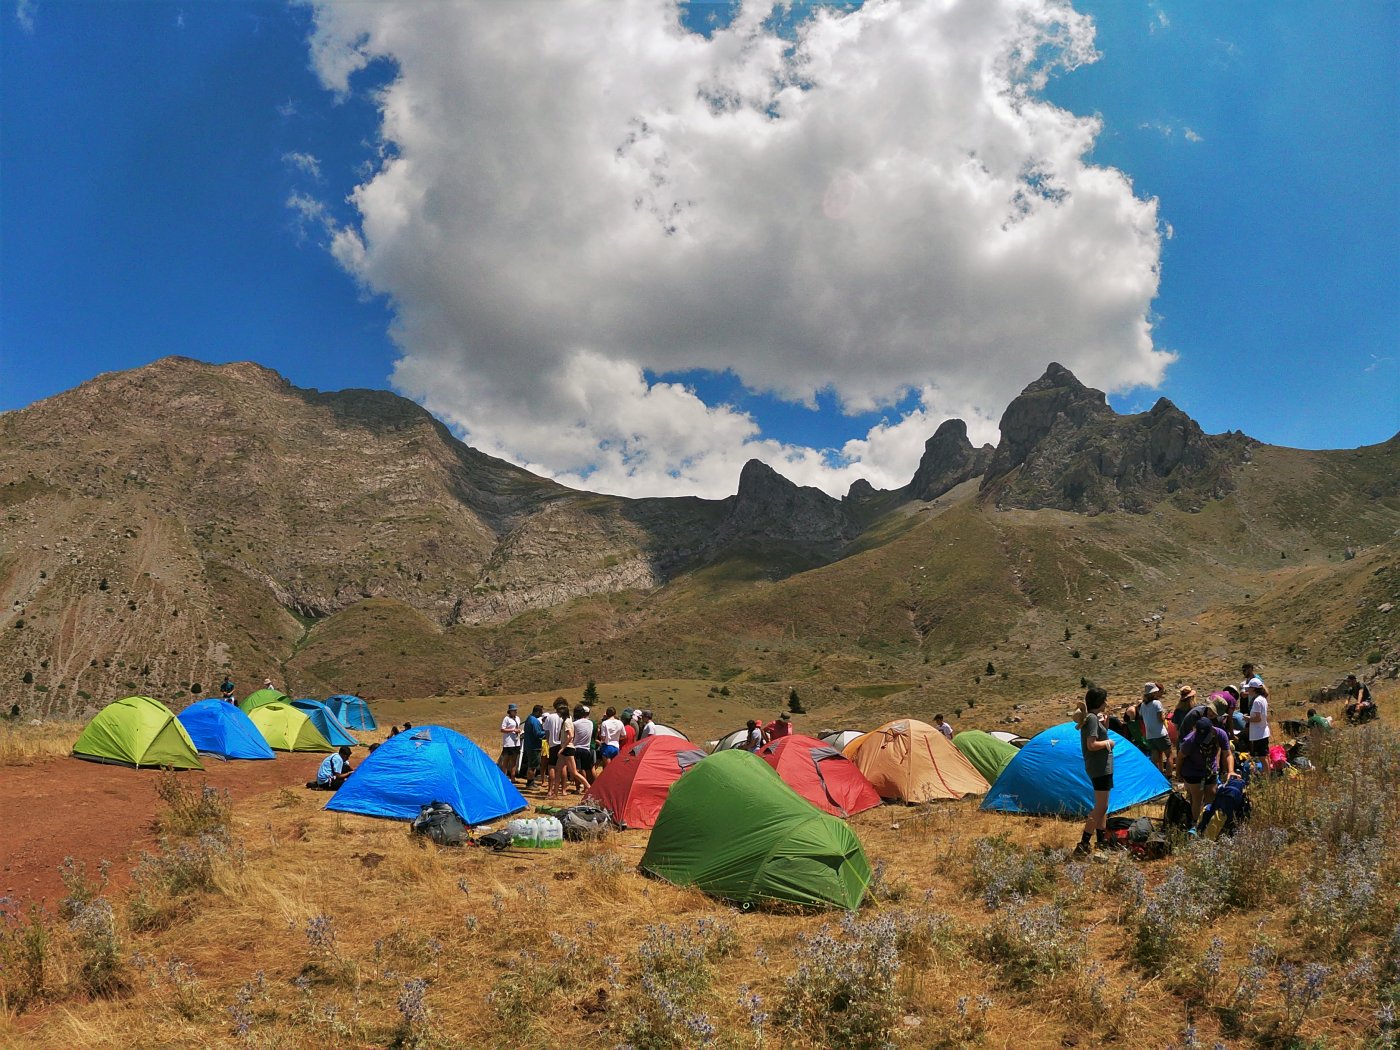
(1030,945)
(1001,870)
(843,993)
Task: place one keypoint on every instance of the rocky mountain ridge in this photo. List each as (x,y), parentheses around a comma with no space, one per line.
(168,523)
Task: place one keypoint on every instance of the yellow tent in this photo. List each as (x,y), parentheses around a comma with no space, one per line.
(912,761)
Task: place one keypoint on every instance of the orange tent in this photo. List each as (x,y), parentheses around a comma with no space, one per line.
(914,762)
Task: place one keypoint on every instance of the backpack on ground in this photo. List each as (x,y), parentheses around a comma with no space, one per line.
(1117,832)
(1147,841)
(1177,811)
(584,822)
(439,823)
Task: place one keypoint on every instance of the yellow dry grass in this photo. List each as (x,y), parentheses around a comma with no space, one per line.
(555,934)
(23,744)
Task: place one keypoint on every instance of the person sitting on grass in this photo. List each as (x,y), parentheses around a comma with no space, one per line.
(334,770)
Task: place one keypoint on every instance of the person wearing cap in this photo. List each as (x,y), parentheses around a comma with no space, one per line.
(1097,748)
(629,728)
(1154,727)
(1203,757)
(1247,671)
(1258,719)
(509,758)
(778,728)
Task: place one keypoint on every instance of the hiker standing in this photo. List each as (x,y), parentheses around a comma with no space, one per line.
(610,732)
(1154,727)
(553,738)
(941,724)
(1097,747)
(1258,718)
(226,690)
(629,728)
(1204,755)
(583,747)
(532,740)
(644,725)
(509,759)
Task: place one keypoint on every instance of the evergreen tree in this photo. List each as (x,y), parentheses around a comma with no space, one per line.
(590,693)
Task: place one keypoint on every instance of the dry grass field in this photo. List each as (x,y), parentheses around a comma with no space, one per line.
(273,923)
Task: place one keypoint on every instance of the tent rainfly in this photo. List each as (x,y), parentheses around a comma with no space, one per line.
(137,731)
(912,761)
(220,728)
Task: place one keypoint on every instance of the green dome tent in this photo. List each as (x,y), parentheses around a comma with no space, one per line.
(989,754)
(733,829)
(287,729)
(137,731)
(253,701)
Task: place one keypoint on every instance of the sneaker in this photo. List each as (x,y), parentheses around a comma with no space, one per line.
(1083,849)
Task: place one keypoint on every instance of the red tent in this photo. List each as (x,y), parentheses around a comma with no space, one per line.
(821,774)
(635,784)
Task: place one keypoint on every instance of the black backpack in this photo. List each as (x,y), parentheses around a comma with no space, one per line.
(584,822)
(439,823)
(1177,812)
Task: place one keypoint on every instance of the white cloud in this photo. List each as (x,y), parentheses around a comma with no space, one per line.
(305,163)
(1192,135)
(577,192)
(24,14)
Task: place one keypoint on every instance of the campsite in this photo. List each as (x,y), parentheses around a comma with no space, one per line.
(255,912)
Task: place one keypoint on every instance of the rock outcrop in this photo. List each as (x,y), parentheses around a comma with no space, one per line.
(949,459)
(1062,446)
(769,506)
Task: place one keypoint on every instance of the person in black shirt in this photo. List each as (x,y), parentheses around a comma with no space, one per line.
(1360,708)
(1097,747)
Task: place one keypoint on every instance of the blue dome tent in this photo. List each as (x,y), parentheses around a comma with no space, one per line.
(353,712)
(1047,777)
(428,764)
(220,728)
(326,722)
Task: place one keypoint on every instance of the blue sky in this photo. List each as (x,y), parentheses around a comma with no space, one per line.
(174,180)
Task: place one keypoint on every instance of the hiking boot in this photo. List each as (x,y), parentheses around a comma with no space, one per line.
(1083,849)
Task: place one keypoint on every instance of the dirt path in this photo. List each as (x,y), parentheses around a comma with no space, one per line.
(70,808)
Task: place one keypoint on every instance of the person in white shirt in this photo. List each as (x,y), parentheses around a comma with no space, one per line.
(941,724)
(509,759)
(554,741)
(610,732)
(1154,728)
(1258,719)
(581,748)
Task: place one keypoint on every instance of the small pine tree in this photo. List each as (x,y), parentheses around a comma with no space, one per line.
(590,693)
(724,690)
(28,678)
(795,702)
(991,670)
(1067,634)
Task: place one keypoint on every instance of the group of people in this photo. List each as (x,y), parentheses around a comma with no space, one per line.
(760,735)
(564,746)
(1202,743)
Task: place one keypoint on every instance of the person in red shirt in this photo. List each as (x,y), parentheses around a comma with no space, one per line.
(779,727)
(629,730)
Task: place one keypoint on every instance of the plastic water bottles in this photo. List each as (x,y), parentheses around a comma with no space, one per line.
(536,833)
(550,833)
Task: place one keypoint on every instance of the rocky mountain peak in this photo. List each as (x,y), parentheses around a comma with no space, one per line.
(1062,446)
(949,459)
(769,505)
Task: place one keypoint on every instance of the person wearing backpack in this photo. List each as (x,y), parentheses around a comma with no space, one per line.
(1204,754)
(1097,747)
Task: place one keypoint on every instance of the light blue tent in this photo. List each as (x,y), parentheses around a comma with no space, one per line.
(326,722)
(353,712)
(1047,777)
(428,764)
(220,728)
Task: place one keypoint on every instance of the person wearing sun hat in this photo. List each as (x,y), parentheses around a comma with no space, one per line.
(509,759)
(1154,727)
(1196,710)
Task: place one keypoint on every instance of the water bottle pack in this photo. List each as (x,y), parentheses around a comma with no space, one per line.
(536,833)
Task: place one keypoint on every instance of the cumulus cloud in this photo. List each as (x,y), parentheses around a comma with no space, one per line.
(24,15)
(573,195)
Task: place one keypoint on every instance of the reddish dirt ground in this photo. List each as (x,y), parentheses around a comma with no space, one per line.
(91,812)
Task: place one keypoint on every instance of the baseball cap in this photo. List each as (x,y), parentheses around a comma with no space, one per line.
(785,717)
(1255,683)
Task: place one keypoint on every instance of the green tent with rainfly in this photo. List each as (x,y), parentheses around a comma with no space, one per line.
(988,753)
(732,828)
(253,701)
(137,731)
(287,729)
